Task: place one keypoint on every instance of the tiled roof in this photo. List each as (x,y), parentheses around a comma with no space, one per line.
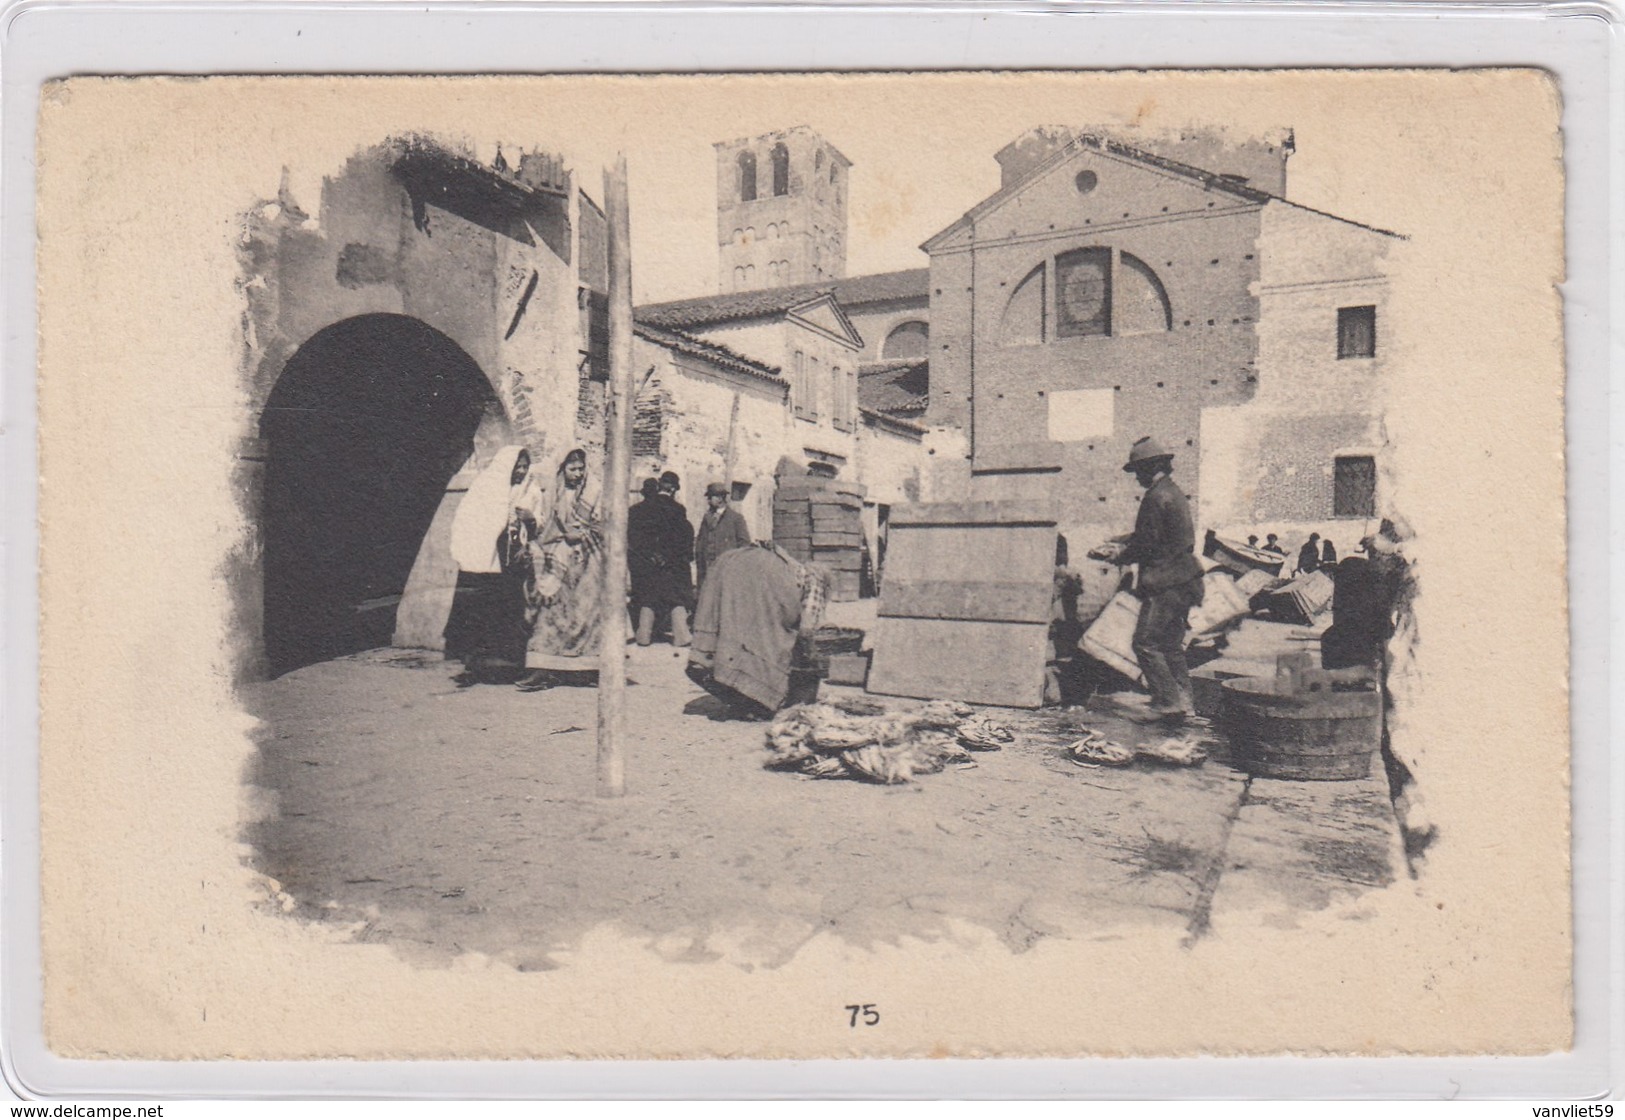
(721,356)
(896,388)
(856,291)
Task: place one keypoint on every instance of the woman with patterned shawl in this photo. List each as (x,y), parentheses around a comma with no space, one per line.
(567,578)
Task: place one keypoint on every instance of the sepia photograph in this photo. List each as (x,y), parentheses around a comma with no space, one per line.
(804,565)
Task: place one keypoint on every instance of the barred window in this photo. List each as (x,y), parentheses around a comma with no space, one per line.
(1354,486)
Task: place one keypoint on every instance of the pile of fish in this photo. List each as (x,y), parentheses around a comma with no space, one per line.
(1094,749)
(863,741)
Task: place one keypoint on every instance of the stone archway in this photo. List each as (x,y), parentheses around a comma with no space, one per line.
(368,422)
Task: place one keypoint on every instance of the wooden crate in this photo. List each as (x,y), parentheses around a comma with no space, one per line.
(967,602)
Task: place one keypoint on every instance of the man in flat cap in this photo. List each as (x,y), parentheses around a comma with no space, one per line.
(1163,544)
(721,529)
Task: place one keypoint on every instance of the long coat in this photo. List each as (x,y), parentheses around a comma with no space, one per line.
(728,532)
(746,624)
(660,554)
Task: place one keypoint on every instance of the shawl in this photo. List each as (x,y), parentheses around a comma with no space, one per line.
(575,512)
(485,512)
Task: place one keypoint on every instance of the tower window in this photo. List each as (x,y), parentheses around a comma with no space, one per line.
(781,170)
(747,176)
(1357,332)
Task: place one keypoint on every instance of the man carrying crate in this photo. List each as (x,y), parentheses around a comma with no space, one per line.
(1163,544)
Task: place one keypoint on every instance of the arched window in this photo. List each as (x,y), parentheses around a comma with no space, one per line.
(739,277)
(906,340)
(739,237)
(1095,292)
(1140,303)
(750,234)
(772,272)
(747,176)
(1083,293)
(818,161)
(750,275)
(781,170)
(1023,323)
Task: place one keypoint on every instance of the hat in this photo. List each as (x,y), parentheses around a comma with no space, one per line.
(720,488)
(650,487)
(669,478)
(1146,450)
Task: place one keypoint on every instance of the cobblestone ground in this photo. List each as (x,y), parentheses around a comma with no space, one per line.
(451,820)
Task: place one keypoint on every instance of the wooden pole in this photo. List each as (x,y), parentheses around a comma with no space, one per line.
(617,481)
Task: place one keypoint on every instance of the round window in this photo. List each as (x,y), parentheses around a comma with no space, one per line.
(1086,181)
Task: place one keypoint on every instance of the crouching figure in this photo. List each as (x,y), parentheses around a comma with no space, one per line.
(753,605)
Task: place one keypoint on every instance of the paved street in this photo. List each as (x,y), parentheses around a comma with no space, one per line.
(444,820)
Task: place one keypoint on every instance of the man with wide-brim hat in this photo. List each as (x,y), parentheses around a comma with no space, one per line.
(1163,544)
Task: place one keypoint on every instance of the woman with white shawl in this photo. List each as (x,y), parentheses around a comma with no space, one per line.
(493,525)
(567,579)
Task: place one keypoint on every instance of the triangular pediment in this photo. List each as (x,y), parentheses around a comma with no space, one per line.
(824,314)
(1095,183)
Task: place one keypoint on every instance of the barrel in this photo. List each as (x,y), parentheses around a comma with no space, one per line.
(1313,734)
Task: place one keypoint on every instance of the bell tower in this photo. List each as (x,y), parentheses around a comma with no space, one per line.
(781,211)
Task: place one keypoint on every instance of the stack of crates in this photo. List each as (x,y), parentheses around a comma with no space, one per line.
(821,520)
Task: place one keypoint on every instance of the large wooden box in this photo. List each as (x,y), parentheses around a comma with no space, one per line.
(967,602)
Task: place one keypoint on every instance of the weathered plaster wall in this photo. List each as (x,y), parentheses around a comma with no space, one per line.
(1275,456)
(708,425)
(512,307)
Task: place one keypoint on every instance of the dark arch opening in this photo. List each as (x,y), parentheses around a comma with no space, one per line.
(366,425)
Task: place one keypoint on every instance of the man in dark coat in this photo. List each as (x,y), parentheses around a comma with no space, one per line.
(1309,555)
(1164,545)
(665,547)
(639,533)
(721,529)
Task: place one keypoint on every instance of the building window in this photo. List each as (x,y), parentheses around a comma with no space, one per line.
(798,385)
(1096,292)
(841,410)
(818,160)
(1354,486)
(781,170)
(906,340)
(1024,315)
(814,398)
(1083,294)
(1357,332)
(747,176)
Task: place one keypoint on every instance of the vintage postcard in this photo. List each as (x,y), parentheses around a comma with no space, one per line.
(1085,552)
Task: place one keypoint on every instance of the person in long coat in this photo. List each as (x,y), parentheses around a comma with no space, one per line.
(754,604)
(721,529)
(639,547)
(665,542)
(567,577)
(486,629)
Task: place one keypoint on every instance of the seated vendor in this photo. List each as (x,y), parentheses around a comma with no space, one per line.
(753,604)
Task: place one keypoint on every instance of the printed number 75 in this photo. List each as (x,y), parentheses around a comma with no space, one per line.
(867,1010)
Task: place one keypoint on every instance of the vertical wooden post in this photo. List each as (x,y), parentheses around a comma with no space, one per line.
(617,480)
